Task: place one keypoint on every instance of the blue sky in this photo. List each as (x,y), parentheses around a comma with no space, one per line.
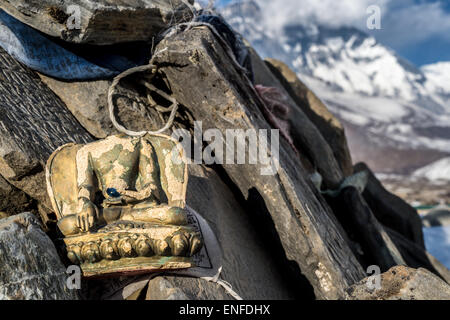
(418,30)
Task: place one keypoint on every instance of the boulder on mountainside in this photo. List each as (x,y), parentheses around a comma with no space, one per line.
(401,283)
(30,266)
(99,22)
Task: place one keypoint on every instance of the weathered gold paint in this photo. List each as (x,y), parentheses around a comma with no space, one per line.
(142,226)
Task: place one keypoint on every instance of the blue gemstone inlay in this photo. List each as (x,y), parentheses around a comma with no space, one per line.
(112,192)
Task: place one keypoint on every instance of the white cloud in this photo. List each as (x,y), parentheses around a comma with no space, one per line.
(412,23)
(403,21)
(329,12)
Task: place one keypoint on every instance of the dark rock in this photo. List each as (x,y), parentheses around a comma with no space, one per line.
(100,22)
(33,123)
(13,200)
(87,101)
(437,218)
(391,210)
(306,136)
(329,126)
(30,266)
(361,224)
(402,283)
(202,78)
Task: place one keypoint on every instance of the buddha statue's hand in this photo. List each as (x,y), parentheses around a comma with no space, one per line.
(140,195)
(132,195)
(87,216)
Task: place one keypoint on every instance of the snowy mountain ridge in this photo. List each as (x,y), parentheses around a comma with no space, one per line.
(376,94)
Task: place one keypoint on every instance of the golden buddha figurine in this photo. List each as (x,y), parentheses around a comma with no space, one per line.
(120,203)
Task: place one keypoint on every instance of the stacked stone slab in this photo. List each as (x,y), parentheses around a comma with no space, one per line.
(99,22)
(33,123)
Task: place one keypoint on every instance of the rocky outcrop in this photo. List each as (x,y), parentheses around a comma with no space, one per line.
(328,125)
(401,283)
(30,266)
(98,22)
(202,78)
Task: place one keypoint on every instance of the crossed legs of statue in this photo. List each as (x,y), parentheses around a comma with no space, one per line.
(142,212)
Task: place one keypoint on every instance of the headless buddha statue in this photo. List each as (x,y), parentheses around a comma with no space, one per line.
(119,178)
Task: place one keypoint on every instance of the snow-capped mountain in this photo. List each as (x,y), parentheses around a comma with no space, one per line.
(438,80)
(397,116)
(439,170)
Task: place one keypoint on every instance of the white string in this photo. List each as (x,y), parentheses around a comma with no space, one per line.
(224,284)
(173,107)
